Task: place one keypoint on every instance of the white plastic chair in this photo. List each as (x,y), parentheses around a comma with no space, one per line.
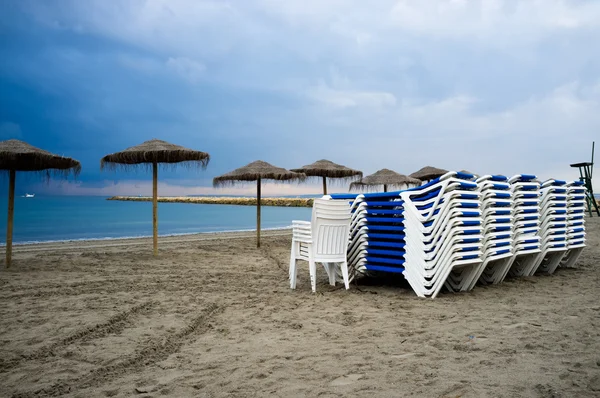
(323,240)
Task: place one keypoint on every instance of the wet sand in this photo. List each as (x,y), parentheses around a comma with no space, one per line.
(213,316)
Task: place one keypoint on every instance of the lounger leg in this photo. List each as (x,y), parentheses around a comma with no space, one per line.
(345,274)
(293,271)
(312,266)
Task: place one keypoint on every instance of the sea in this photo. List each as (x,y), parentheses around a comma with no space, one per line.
(68,218)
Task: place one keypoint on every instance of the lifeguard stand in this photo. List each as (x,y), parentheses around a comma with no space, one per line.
(586,170)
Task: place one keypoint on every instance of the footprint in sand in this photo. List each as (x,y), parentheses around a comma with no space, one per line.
(346,380)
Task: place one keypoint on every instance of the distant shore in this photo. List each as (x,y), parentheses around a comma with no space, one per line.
(225,200)
(280,202)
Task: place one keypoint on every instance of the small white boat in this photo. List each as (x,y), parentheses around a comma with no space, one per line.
(29,195)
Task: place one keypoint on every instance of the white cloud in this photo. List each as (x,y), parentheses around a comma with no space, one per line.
(178,23)
(350,98)
(248,39)
(542,135)
(181,26)
(493,19)
(490,85)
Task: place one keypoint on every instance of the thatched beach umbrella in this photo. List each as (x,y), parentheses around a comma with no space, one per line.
(325,168)
(257,171)
(428,173)
(16,156)
(152,153)
(384,177)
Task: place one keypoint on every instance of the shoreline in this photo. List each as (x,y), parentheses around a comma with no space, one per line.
(221,200)
(142,240)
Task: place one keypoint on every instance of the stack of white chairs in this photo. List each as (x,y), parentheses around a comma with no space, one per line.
(554,226)
(576,222)
(496,199)
(323,240)
(525,190)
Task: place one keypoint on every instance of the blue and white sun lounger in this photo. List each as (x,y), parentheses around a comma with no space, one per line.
(554,226)
(576,223)
(525,190)
(498,225)
(456,231)
(428,233)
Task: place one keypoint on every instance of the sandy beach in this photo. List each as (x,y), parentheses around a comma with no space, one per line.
(213,316)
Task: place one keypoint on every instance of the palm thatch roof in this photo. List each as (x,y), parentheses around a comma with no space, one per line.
(428,173)
(326,168)
(384,177)
(20,156)
(155,151)
(254,171)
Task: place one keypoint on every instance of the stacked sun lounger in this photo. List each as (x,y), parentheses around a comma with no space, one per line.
(525,191)
(430,234)
(377,233)
(554,226)
(443,234)
(455,231)
(576,223)
(496,199)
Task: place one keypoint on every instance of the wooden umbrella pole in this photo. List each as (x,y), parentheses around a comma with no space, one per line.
(384,187)
(258,212)
(155,207)
(324,185)
(11,212)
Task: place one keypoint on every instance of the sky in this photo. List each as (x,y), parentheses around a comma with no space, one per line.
(491,86)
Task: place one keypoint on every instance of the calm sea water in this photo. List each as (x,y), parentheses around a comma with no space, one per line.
(52,218)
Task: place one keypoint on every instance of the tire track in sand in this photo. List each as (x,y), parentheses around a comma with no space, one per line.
(140,284)
(268,253)
(113,325)
(151,352)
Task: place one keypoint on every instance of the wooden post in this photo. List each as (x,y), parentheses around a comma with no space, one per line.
(384,187)
(258,212)
(324,185)
(592,172)
(588,185)
(155,207)
(11,212)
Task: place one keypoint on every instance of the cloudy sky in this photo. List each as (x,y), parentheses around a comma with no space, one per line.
(491,86)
